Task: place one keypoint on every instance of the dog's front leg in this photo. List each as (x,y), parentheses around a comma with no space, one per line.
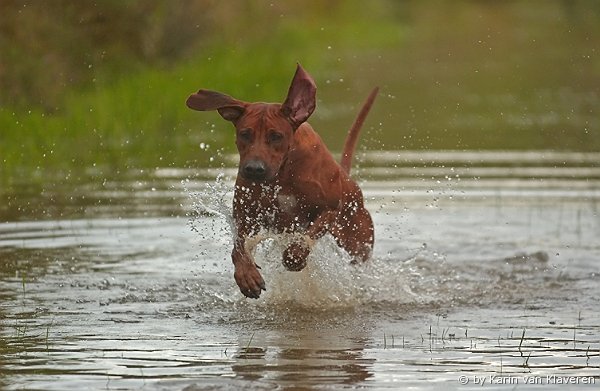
(296,254)
(246,213)
(246,272)
(350,224)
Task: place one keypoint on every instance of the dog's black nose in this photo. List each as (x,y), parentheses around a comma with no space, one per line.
(255,170)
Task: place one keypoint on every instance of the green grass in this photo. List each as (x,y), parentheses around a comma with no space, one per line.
(140,119)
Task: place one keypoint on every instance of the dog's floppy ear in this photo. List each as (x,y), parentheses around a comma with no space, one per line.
(204,100)
(301,99)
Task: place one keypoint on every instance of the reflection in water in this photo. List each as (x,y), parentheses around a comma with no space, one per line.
(310,353)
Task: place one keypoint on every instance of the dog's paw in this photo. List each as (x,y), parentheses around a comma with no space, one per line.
(294,257)
(249,280)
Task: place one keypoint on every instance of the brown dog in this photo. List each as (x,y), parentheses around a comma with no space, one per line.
(287,179)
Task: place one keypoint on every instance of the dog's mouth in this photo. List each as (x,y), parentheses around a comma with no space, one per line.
(254,177)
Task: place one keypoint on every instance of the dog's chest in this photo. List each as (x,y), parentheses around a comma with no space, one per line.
(283,209)
(291,214)
(287,203)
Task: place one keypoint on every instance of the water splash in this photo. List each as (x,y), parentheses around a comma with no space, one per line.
(330,279)
(422,277)
(214,201)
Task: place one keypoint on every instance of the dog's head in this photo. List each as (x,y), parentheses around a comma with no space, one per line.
(264,131)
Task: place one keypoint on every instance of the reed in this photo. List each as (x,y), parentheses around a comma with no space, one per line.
(249,342)
(521,342)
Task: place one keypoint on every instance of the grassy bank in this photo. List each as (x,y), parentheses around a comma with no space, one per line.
(139,119)
(457,75)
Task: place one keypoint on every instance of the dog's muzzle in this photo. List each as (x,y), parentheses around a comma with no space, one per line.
(255,170)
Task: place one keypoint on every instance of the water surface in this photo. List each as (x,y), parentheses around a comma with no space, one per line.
(485,266)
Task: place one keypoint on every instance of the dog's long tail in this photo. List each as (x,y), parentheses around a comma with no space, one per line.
(352,138)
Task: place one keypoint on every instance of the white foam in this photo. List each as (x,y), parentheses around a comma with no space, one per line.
(329,279)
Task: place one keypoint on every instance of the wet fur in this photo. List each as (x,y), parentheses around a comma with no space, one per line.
(288,181)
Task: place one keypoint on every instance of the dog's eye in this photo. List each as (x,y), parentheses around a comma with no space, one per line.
(275,137)
(245,135)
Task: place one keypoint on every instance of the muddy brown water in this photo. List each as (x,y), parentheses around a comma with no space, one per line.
(486,271)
